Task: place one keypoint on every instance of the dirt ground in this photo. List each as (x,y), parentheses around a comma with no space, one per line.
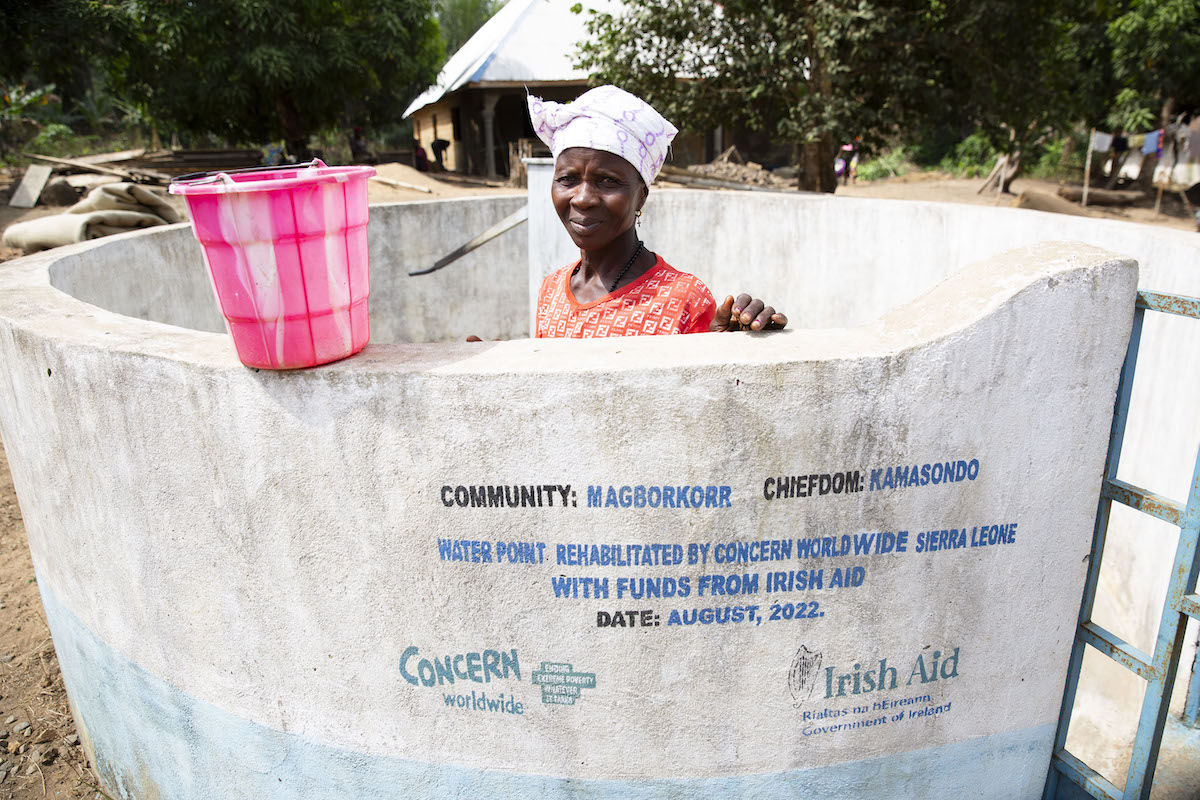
(935,187)
(40,755)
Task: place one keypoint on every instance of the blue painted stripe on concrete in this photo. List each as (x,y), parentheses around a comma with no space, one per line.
(153,741)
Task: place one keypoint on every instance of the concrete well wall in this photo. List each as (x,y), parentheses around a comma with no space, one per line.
(840,562)
(162,278)
(836,261)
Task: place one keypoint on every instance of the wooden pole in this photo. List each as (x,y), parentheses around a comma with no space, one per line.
(993,174)
(1087,167)
(1187,203)
(129,175)
(70,162)
(1167,176)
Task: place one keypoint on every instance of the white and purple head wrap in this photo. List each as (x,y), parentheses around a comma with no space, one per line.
(606,118)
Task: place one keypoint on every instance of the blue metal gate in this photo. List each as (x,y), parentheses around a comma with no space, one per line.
(1159,668)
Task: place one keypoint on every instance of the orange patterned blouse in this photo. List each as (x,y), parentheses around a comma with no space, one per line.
(663,300)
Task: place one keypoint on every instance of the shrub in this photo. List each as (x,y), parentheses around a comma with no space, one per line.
(890,164)
(52,136)
(22,114)
(1052,161)
(973,157)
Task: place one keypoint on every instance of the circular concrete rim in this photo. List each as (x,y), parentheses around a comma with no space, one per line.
(32,303)
(54,318)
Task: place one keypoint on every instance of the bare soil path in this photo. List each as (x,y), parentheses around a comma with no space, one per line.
(40,755)
(937,188)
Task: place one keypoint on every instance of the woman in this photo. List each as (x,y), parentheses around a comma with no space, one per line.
(608,145)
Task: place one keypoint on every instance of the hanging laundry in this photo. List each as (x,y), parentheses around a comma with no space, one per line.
(1151,143)
(1120,144)
(1193,139)
(1101,141)
(1137,141)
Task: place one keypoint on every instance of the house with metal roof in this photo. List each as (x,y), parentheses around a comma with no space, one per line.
(477,107)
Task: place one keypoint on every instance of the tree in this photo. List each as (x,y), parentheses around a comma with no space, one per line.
(802,72)
(811,71)
(1156,56)
(459,19)
(1017,70)
(255,70)
(1096,60)
(47,43)
(1156,59)
(1156,51)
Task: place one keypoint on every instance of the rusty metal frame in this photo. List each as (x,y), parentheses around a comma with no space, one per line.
(1159,668)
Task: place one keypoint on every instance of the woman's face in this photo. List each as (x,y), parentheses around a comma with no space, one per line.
(597,195)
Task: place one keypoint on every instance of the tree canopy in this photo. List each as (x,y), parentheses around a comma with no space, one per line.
(1156,56)
(255,70)
(811,73)
(48,43)
(801,72)
(1016,70)
(459,19)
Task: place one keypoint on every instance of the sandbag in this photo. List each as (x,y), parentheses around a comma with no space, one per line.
(126,197)
(108,209)
(44,233)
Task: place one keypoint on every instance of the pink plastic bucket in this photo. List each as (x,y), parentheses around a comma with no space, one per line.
(287,253)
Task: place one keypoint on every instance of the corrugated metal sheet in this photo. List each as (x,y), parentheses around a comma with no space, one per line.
(526,40)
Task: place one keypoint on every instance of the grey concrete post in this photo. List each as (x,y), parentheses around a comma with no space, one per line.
(489,145)
(549,245)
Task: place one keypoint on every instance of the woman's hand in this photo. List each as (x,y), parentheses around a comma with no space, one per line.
(746,313)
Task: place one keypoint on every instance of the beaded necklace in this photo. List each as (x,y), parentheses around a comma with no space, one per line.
(637,252)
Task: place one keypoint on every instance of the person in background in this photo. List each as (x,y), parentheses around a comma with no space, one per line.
(849,159)
(440,146)
(420,159)
(608,145)
(358,146)
(273,155)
